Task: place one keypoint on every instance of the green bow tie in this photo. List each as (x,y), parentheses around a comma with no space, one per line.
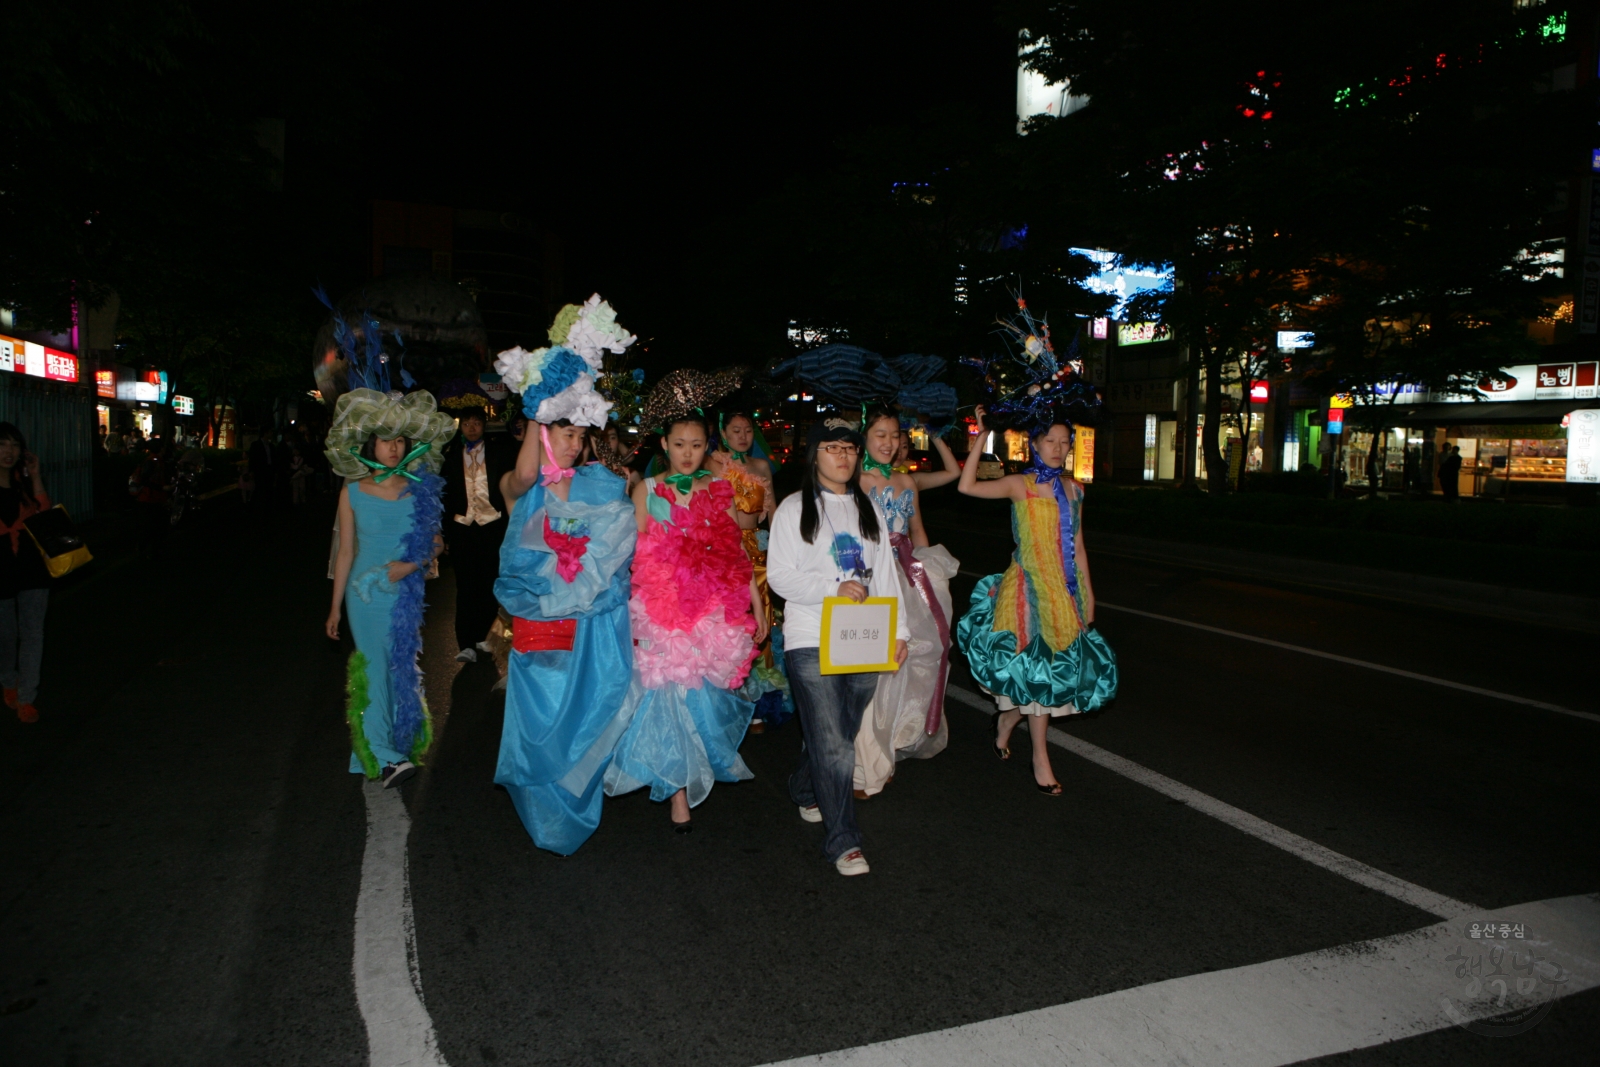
(684,483)
(870,464)
(380,472)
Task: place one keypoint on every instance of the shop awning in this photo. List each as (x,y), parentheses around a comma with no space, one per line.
(1477,414)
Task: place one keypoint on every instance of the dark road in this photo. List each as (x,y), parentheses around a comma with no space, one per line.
(185,849)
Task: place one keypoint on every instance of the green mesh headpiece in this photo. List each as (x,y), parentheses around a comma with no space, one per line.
(363,412)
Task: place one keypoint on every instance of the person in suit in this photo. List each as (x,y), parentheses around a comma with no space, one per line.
(474,525)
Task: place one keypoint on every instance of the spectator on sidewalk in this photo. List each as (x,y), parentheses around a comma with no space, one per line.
(1450,474)
(24,579)
(151,487)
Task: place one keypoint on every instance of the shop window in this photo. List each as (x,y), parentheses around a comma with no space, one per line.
(1150,443)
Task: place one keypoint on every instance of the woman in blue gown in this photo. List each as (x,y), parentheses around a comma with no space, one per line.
(388,535)
(564,580)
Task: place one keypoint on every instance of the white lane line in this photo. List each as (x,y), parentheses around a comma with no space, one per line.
(1414,676)
(1281,1012)
(1357,662)
(388,981)
(1338,863)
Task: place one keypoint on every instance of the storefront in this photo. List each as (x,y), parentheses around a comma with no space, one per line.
(42,394)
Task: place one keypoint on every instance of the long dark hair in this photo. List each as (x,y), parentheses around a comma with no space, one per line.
(809,490)
(22,483)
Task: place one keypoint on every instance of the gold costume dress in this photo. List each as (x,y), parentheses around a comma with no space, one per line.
(767,685)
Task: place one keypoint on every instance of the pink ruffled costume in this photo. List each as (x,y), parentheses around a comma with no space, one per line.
(692,631)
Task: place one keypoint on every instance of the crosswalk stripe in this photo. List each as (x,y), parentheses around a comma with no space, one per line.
(1280,1012)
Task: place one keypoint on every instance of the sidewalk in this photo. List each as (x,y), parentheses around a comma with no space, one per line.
(1501,602)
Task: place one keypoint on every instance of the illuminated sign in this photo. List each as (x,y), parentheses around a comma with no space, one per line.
(8,354)
(105,384)
(183,405)
(32,359)
(1098,328)
(1140,333)
(1336,420)
(1260,392)
(1583,446)
(1083,454)
(1122,281)
(59,366)
(1289,340)
(1343,400)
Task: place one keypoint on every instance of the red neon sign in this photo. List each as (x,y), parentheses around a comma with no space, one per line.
(105,383)
(60,366)
(1259,393)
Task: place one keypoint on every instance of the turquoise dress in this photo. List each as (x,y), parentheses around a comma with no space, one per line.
(564,709)
(370,601)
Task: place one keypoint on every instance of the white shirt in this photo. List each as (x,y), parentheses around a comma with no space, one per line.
(479,510)
(804,574)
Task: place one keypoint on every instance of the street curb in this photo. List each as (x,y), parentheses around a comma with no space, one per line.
(1501,602)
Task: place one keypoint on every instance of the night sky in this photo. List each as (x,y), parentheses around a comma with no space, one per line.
(635,133)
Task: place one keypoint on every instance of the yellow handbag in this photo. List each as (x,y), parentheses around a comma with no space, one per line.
(63,550)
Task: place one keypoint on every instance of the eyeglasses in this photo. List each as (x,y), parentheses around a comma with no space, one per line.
(836,449)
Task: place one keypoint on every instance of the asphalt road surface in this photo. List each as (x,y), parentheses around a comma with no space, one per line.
(1262,856)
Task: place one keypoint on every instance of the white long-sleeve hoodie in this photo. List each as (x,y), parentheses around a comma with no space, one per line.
(804,574)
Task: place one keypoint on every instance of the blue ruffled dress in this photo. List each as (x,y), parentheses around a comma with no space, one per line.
(564,710)
(1024,634)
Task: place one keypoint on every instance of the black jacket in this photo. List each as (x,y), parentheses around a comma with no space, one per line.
(499,457)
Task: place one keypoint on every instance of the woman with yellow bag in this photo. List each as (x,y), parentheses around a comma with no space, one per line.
(24,579)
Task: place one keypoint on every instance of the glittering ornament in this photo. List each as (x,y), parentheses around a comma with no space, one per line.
(685,392)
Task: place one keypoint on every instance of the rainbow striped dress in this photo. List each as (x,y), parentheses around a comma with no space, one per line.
(1024,634)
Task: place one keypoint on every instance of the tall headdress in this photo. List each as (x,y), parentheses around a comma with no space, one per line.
(558,382)
(368,366)
(849,377)
(1031,386)
(684,392)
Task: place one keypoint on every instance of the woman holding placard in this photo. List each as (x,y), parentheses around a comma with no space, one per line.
(830,540)
(696,614)
(1029,634)
(906,717)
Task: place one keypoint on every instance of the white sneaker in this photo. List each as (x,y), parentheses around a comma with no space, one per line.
(811,814)
(852,863)
(483,646)
(467,655)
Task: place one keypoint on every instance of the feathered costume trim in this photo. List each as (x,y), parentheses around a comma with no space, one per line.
(358,699)
(412,729)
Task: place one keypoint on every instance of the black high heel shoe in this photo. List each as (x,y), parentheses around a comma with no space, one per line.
(1051,790)
(685,827)
(994,731)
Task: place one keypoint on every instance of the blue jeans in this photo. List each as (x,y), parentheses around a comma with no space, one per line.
(22,642)
(830,708)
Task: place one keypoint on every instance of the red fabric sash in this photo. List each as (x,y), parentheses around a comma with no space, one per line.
(539,635)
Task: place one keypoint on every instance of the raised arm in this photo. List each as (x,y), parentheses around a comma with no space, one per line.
(999,489)
(935,479)
(525,475)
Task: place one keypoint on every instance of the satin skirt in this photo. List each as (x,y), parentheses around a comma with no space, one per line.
(1081,677)
(906,717)
(679,738)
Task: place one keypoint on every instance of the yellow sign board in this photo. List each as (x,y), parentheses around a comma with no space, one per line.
(858,638)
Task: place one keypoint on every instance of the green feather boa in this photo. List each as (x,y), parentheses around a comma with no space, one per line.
(355,710)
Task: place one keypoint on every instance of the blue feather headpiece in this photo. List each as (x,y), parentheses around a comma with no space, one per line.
(1032,386)
(367,365)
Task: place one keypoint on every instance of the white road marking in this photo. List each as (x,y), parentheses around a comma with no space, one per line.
(1414,676)
(1591,716)
(1268,1014)
(1340,864)
(388,980)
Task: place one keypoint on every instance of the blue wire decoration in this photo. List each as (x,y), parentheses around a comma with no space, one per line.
(849,376)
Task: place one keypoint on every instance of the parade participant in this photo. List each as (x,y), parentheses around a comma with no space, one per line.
(475,513)
(24,578)
(906,717)
(927,479)
(741,459)
(1029,633)
(389,447)
(830,539)
(696,614)
(564,580)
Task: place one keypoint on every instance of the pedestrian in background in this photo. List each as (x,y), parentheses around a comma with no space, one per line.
(151,488)
(24,579)
(475,517)
(1450,474)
